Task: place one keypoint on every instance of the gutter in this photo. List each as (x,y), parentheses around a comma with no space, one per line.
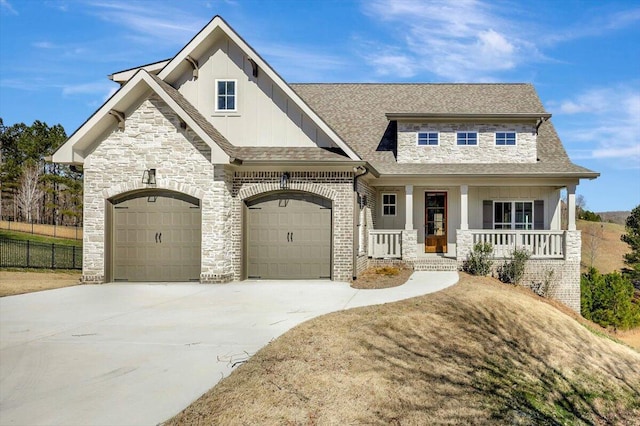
(356,218)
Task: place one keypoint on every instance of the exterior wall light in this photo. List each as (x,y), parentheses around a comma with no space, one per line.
(149,177)
(284,181)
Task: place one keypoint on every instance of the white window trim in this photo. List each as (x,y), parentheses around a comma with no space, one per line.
(495,137)
(427,131)
(225,111)
(468,131)
(382,204)
(513,215)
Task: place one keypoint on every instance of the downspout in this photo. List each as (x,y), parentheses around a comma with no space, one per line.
(356,218)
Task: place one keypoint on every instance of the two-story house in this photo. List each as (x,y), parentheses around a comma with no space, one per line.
(210,167)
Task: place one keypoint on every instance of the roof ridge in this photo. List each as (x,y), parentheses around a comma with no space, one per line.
(410,84)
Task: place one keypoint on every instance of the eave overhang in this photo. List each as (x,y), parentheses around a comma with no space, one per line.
(508,117)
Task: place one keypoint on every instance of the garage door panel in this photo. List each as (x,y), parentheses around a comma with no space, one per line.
(156,241)
(289,236)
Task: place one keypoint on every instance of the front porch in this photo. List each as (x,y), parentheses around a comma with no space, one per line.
(388,244)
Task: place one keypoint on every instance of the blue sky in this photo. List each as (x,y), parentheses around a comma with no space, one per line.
(582,56)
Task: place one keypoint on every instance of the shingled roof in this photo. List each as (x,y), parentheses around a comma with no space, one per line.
(358,113)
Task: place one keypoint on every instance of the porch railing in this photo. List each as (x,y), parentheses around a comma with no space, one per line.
(541,244)
(385,243)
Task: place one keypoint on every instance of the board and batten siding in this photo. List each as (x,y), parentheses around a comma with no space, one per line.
(265,115)
(550,196)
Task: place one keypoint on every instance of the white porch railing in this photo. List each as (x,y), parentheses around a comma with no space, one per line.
(385,243)
(541,244)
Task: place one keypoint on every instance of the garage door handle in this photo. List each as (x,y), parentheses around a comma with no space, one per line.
(288,236)
(160,237)
(292,237)
(156,238)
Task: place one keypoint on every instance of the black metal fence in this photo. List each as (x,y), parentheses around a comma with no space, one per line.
(29,254)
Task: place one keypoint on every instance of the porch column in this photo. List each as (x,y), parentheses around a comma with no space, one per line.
(571,207)
(408,207)
(464,207)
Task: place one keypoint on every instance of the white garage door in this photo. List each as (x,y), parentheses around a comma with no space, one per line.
(156,238)
(289,237)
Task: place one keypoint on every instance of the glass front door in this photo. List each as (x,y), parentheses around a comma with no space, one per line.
(435,229)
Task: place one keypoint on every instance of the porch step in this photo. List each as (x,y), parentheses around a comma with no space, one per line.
(435,264)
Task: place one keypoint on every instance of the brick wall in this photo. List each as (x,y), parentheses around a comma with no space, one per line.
(335,186)
(448,151)
(152,138)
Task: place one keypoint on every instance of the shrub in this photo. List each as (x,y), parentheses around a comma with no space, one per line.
(512,270)
(544,288)
(608,300)
(479,260)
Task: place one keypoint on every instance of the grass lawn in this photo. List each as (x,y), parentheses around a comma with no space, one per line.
(609,249)
(20,281)
(25,236)
(479,352)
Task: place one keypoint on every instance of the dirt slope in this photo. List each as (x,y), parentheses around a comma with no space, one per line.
(479,352)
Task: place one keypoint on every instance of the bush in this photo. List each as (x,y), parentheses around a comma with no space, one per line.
(608,300)
(512,270)
(479,260)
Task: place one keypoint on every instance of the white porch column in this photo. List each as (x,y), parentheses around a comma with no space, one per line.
(464,207)
(408,207)
(571,207)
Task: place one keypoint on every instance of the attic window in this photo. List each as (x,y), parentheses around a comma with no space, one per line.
(226,95)
(505,138)
(428,138)
(467,138)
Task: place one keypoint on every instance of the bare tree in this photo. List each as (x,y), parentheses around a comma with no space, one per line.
(593,235)
(29,192)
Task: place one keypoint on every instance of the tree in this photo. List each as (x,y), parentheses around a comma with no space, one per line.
(22,146)
(632,238)
(593,235)
(30,193)
(608,300)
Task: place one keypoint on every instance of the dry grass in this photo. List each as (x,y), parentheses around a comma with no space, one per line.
(610,250)
(382,277)
(479,352)
(19,282)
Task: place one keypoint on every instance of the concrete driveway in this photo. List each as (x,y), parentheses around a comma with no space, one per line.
(137,354)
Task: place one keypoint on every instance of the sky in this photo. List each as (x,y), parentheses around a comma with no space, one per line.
(583,57)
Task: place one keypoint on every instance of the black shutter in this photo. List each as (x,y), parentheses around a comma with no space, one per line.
(487,214)
(538,214)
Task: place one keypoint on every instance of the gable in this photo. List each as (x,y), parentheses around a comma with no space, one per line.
(269,113)
(113,114)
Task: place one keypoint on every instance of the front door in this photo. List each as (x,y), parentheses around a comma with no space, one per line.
(435,227)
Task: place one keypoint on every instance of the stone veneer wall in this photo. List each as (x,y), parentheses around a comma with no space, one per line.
(448,151)
(335,186)
(563,275)
(153,138)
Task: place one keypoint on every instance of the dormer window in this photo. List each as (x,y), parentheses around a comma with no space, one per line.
(467,138)
(427,138)
(226,95)
(505,138)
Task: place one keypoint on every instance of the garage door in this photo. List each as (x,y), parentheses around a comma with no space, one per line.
(157,238)
(289,237)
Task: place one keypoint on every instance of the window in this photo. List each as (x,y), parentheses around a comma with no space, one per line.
(467,138)
(428,138)
(388,204)
(225,95)
(505,138)
(513,215)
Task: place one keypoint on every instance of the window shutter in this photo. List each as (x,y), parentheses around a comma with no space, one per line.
(538,214)
(487,214)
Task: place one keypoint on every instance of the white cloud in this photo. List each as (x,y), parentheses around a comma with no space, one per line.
(472,40)
(5,5)
(155,21)
(605,123)
(100,88)
(300,64)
